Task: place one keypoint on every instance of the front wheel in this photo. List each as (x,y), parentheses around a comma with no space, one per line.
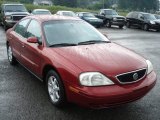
(108,24)
(55,89)
(121,26)
(11,58)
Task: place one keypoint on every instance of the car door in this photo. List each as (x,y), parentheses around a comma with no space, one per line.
(140,20)
(16,38)
(31,53)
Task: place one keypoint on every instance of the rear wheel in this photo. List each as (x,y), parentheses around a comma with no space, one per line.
(55,89)
(146,27)
(121,26)
(11,58)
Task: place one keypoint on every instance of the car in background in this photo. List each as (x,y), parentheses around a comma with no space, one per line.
(90,18)
(10,14)
(77,63)
(110,17)
(142,20)
(41,12)
(66,13)
(157,16)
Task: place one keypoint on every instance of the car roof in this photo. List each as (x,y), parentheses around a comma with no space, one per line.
(106,9)
(43,18)
(139,12)
(64,11)
(83,12)
(40,10)
(13,4)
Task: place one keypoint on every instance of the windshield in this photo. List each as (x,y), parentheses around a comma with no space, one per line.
(157,16)
(72,14)
(72,32)
(149,16)
(42,12)
(15,8)
(88,15)
(111,12)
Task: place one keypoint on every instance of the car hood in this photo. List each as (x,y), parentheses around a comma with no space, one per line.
(118,16)
(91,18)
(108,58)
(157,21)
(16,13)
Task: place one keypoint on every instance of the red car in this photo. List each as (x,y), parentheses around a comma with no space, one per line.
(77,63)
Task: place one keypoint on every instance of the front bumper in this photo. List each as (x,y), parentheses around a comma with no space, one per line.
(96,23)
(109,96)
(155,26)
(118,23)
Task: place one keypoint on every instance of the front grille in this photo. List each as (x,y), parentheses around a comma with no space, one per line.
(17,18)
(131,77)
(120,19)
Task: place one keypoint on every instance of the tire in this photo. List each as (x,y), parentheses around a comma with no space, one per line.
(12,60)
(108,24)
(146,27)
(128,25)
(55,89)
(121,27)
(5,27)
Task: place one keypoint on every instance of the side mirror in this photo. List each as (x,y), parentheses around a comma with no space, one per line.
(32,40)
(30,11)
(142,17)
(103,14)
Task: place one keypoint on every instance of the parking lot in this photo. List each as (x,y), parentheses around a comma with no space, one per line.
(23,97)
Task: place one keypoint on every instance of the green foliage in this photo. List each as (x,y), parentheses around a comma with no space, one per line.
(54,9)
(139,5)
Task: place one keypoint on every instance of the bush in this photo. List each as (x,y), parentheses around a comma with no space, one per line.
(54,9)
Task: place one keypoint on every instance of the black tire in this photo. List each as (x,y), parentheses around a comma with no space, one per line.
(108,23)
(12,60)
(128,24)
(55,89)
(121,27)
(146,27)
(5,27)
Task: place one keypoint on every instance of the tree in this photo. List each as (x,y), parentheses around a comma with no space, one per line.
(141,5)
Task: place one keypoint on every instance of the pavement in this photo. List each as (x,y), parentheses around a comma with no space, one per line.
(23,97)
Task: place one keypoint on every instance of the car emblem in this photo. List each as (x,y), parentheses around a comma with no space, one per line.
(135,76)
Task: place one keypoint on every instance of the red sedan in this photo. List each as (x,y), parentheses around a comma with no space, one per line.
(77,63)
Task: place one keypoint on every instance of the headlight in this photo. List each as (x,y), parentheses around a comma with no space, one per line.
(94,79)
(152,22)
(114,19)
(150,67)
(8,17)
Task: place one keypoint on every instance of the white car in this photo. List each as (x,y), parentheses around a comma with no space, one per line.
(66,13)
(41,12)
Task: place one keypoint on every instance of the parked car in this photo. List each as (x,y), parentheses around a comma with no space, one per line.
(142,20)
(10,14)
(111,17)
(157,16)
(77,63)
(90,18)
(66,13)
(41,12)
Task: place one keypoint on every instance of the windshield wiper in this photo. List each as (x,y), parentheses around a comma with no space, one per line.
(92,42)
(63,45)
